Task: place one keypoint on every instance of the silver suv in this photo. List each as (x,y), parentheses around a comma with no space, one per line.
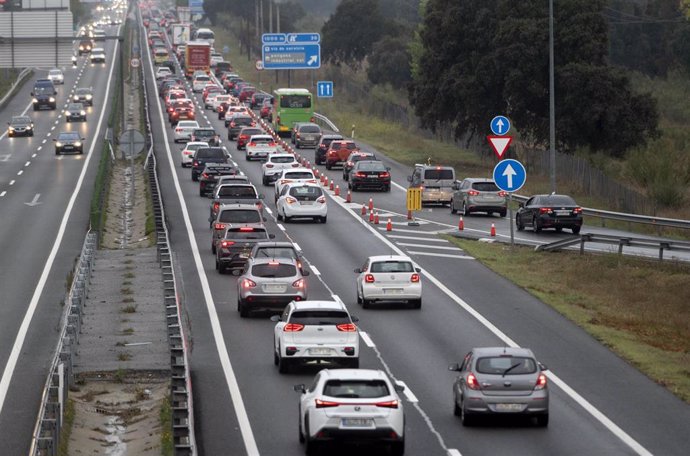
(270,284)
(478,195)
(307,134)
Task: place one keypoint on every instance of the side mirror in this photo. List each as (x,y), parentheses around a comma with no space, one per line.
(300,388)
(354,318)
(271,236)
(306,273)
(418,270)
(455,367)
(409,178)
(521,205)
(357,270)
(275,318)
(399,388)
(83,139)
(388,168)
(543,367)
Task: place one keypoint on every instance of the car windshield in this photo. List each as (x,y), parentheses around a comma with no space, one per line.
(310,129)
(438,174)
(237,191)
(267,140)
(83,91)
(350,146)
(74,107)
(69,136)
(250,131)
(43,90)
(55,72)
(274,269)
(295,101)
(392,266)
(506,365)
(208,133)
(319,317)
(283,159)
(485,187)
(364,389)
(557,200)
(357,157)
(276,252)
(242,120)
(210,153)
(194,147)
(185,124)
(240,216)
(21,120)
(370,166)
(242,233)
(299,175)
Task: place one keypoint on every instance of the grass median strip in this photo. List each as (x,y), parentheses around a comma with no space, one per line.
(638,308)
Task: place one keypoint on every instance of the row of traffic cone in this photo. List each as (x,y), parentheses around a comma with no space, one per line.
(461,226)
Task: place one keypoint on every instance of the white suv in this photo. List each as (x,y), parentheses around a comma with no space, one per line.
(275,164)
(351,405)
(389,278)
(291,176)
(310,331)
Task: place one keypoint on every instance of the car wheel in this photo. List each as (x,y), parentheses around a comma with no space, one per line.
(324,219)
(466,418)
(398,448)
(416,303)
(453,210)
(535,225)
(359,299)
(201,193)
(503,213)
(464,209)
(543,420)
(518,223)
(366,304)
(310,447)
(195,178)
(576,229)
(264,181)
(275,356)
(329,166)
(559,229)
(301,433)
(213,248)
(244,312)
(217,265)
(283,365)
(246,157)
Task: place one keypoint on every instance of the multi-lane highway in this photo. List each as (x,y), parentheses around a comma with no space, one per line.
(44,202)
(599,403)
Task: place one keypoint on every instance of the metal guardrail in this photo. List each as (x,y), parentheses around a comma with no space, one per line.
(323,119)
(46,436)
(582,239)
(19,81)
(181,380)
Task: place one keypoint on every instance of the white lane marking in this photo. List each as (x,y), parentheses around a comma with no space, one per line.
(442,255)
(45,140)
(27,163)
(367,340)
(315,271)
(230,379)
(52,128)
(34,155)
(12,182)
(47,134)
(416,238)
(453,452)
(297,247)
(584,403)
(398,186)
(427,246)
(408,392)
(4,192)
(281,227)
(38,291)
(20,172)
(402,230)
(268,209)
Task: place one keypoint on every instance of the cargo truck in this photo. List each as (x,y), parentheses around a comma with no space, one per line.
(197,57)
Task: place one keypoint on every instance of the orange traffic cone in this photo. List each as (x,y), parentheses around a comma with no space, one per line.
(349,197)
(364,209)
(409,215)
(389,225)
(331,186)
(371,215)
(371,204)
(461,224)
(376,219)
(316,172)
(337,189)
(493,230)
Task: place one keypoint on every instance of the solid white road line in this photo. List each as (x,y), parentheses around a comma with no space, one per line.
(401,230)
(230,379)
(315,271)
(443,255)
(3,193)
(416,238)
(280,227)
(426,246)
(367,340)
(28,316)
(584,403)
(453,452)
(408,392)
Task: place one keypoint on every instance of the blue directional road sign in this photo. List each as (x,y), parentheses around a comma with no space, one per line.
(324,89)
(273,38)
(500,125)
(510,175)
(299,38)
(291,56)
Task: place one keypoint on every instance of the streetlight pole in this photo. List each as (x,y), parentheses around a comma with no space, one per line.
(552,105)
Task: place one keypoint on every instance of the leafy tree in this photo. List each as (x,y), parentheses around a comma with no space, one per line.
(497,62)
(350,33)
(389,62)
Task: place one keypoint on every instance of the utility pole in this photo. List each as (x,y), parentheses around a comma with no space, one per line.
(270,16)
(261,18)
(552,105)
(256,17)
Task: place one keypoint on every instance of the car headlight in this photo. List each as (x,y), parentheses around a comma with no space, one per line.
(35,100)
(77,144)
(75,98)
(58,144)
(30,127)
(88,97)
(11,128)
(67,113)
(51,99)
(83,113)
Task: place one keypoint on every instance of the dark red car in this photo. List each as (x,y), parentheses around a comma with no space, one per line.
(246,93)
(338,151)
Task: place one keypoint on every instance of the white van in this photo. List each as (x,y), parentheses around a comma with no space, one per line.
(435,181)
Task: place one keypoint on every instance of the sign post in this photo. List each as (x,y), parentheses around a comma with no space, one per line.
(414,203)
(510,175)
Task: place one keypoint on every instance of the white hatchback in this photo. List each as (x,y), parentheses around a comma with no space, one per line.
(187,152)
(275,164)
(162,72)
(200,81)
(293,176)
(389,278)
(183,130)
(260,147)
(299,200)
(351,405)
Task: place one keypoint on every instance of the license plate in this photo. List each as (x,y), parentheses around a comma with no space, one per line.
(509,407)
(270,288)
(306,203)
(372,177)
(357,422)
(562,212)
(392,291)
(319,351)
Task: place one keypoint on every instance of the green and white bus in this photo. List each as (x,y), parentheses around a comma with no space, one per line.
(290,106)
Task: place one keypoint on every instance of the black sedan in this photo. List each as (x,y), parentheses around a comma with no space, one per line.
(211,173)
(75,112)
(549,211)
(69,141)
(354,158)
(83,95)
(371,174)
(20,126)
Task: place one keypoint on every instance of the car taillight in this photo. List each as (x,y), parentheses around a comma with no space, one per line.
(219,226)
(320,403)
(473,193)
(227,243)
(216,206)
(386,174)
(251,144)
(541,382)
(414,278)
(285,181)
(195,163)
(271,144)
(246,283)
(299,283)
(369,278)
(388,404)
(204,175)
(502,194)
(290,200)
(232,124)
(269,165)
(577,210)
(293,327)
(360,174)
(472,382)
(243,137)
(321,199)
(545,210)
(311,120)
(178,130)
(311,181)
(346,327)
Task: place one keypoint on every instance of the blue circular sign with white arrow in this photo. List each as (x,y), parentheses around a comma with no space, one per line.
(500,125)
(510,175)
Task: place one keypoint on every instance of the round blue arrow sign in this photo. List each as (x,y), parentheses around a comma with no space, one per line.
(500,125)
(510,175)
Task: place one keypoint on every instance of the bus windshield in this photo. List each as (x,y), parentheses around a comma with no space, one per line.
(295,101)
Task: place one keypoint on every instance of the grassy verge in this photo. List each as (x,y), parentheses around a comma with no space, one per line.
(645,320)
(66,431)
(167,443)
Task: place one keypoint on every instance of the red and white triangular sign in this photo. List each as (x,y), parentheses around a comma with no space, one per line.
(500,144)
